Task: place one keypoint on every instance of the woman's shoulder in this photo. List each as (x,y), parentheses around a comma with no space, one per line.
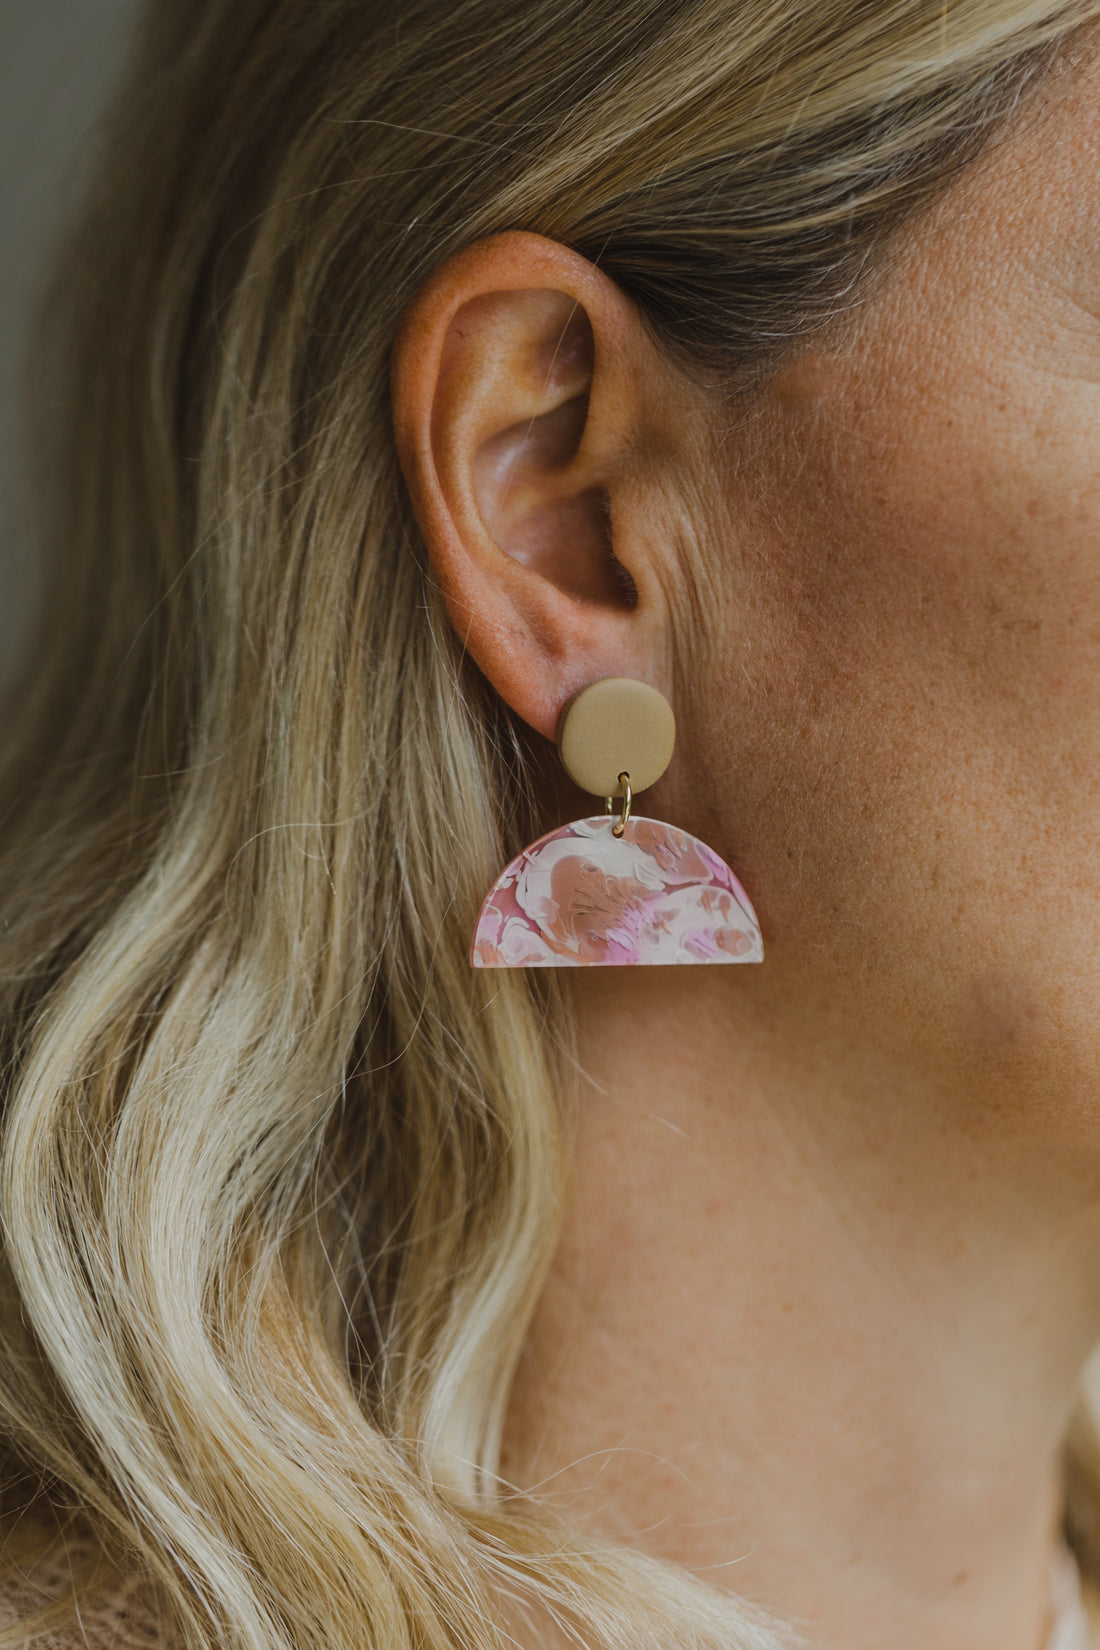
(115,1611)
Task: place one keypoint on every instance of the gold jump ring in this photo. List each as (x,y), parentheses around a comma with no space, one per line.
(620,824)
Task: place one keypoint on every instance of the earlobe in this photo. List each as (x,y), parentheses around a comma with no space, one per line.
(516,411)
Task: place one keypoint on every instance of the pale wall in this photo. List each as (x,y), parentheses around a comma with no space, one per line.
(57,62)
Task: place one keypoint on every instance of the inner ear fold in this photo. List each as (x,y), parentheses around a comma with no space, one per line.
(533,486)
(535,513)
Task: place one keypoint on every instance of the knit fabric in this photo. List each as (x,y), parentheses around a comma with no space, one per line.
(124,1616)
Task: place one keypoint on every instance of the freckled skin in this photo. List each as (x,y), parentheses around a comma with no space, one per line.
(829,1264)
(846,1206)
(902,759)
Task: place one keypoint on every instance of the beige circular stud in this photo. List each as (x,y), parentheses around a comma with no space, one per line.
(614,726)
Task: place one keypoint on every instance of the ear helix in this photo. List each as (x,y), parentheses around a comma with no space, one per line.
(604,891)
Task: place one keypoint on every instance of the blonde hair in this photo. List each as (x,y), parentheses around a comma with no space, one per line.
(280,1175)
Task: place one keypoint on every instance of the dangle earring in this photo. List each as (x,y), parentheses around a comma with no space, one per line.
(614,889)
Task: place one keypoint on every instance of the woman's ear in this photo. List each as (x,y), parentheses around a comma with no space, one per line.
(524,387)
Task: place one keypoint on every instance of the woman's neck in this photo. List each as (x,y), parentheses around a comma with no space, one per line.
(807,1333)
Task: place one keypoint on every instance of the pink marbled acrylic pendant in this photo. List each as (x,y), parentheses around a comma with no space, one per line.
(582,897)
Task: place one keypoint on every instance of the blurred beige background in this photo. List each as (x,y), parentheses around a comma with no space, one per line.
(58,59)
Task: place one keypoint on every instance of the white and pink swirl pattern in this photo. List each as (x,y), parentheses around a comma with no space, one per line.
(582,897)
